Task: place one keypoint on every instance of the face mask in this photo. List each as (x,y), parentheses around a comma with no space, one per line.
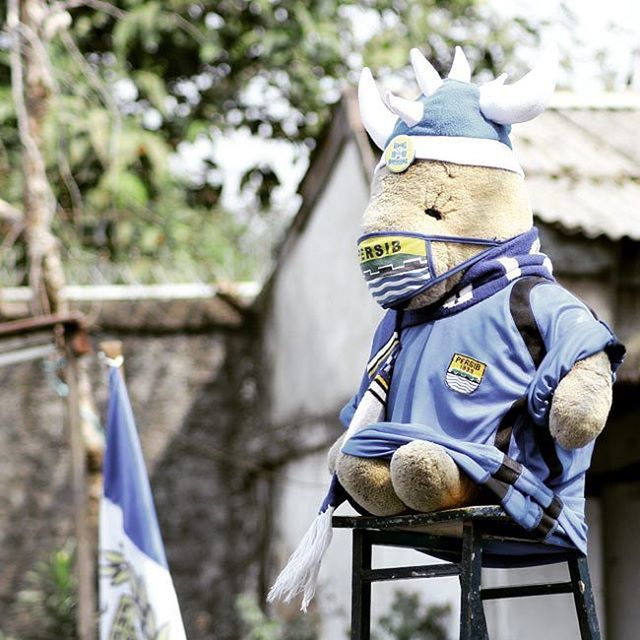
(398,266)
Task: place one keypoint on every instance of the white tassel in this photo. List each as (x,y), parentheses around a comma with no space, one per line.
(301,573)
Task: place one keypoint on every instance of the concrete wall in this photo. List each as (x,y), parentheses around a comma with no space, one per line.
(320,317)
(621,511)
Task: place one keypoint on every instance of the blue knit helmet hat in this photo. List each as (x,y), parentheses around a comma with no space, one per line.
(454,120)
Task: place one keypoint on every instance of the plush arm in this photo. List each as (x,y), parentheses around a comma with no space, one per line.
(571,389)
(581,402)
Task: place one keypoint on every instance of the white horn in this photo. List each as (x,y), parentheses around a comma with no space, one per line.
(376,117)
(525,99)
(408,111)
(428,78)
(460,69)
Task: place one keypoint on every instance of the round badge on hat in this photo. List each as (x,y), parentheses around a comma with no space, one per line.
(399,154)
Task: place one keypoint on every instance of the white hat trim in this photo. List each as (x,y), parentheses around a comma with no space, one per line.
(460,150)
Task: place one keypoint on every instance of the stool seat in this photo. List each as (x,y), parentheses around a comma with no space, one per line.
(467,538)
(506,544)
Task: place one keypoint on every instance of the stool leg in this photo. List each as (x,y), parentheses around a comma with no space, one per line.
(473,625)
(360,589)
(583,597)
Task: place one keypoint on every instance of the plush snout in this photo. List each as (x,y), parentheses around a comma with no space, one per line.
(441,198)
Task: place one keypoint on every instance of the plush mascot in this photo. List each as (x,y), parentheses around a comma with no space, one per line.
(486,378)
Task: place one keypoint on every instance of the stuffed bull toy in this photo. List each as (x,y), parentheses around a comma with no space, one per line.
(487,381)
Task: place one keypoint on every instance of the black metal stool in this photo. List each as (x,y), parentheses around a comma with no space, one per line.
(463,537)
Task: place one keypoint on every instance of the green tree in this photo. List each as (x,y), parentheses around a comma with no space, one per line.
(131,80)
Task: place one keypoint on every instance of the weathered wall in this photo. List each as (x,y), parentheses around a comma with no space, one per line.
(35,501)
(320,317)
(195,399)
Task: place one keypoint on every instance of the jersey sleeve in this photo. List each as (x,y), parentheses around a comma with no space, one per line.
(570,332)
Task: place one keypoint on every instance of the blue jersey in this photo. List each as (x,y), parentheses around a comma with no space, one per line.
(480,383)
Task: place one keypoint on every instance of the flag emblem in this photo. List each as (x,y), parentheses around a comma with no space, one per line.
(465,373)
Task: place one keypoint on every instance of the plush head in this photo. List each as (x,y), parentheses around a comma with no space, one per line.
(448,168)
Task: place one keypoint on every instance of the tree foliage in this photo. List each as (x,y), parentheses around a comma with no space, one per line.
(132,80)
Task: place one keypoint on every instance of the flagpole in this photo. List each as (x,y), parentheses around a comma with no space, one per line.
(86,613)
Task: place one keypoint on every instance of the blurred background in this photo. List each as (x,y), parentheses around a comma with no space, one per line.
(189,176)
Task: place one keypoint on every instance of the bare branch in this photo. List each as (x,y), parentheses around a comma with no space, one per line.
(10,239)
(17,85)
(98,5)
(116,12)
(187,27)
(31,83)
(9,213)
(48,76)
(77,204)
(101,89)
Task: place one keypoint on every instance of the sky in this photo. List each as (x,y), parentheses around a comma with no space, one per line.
(610,28)
(591,35)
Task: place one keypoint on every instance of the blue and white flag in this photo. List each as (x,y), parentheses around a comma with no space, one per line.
(137,598)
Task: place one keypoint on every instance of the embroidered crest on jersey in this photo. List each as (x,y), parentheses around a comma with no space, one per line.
(465,373)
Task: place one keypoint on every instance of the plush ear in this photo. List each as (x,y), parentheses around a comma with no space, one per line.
(525,99)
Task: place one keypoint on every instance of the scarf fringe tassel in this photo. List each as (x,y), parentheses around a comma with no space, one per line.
(300,576)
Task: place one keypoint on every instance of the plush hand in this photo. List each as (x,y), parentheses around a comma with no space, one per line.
(581,402)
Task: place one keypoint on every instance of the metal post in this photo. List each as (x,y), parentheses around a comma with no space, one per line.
(85,557)
(360,588)
(583,597)
(473,625)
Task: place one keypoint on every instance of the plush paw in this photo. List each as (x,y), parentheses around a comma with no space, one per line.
(368,482)
(581,402)
(426,478)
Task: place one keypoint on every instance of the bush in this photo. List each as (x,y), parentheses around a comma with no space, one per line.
(409,620)
(257,626)
(48,603)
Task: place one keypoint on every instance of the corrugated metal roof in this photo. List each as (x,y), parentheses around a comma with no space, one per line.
(552,144)
(591,207)
(620,128)
(583,165)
